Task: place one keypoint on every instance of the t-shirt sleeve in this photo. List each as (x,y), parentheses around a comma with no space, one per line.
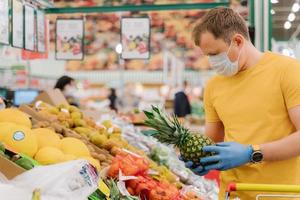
(290,84)
(211,114)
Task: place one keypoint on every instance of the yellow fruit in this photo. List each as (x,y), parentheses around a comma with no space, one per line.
(22,140)
(92,161)
(115,136)
(76,115)
(49,155)
(107,124)
(74,147)
(68,157)
(15,116)
(46,138)
(73,109)
(98,139)
(62,106)
(54,111)
(101,129)
(83,131)
(79,122)
(117,129)
(5,127)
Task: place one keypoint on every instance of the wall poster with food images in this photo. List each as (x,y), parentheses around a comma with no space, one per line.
(17,24)
(30,31)
(4,22)
(41,31)
(135,36)
(69,39)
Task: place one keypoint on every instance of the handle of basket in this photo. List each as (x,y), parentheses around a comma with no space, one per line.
(263,187)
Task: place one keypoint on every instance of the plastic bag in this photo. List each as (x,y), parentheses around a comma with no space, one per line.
(11,192)
(70,180)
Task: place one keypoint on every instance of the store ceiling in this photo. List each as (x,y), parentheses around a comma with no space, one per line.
(282,10)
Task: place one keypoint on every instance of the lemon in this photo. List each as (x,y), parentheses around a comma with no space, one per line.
(15,116)
(74,147)
(49,155)
(22,140)
(46,138)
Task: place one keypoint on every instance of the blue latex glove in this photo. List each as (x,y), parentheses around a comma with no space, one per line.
(227,155)
(199,170)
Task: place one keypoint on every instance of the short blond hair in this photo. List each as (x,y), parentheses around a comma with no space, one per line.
(222,23)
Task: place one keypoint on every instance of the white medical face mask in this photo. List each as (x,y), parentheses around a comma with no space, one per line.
(2,106)
(223,65)
(70,91)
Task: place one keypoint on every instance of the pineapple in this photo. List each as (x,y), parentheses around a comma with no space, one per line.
(169,130)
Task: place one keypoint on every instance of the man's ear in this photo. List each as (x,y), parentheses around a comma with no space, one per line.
(238,40)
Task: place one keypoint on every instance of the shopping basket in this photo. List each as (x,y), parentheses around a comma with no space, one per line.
(274,190)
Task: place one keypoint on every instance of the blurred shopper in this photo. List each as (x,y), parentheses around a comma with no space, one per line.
(68,87)
(252,107)
(182,106)
(113,99)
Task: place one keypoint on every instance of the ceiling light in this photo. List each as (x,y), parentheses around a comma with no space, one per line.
(273,12)
(274,1)
(287,25)
(291,17)
(295,7)
(119,48)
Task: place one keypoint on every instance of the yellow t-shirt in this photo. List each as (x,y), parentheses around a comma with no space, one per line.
(253,106)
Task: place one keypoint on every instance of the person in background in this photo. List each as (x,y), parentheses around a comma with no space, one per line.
(182,106)
(113,99)
(68,87)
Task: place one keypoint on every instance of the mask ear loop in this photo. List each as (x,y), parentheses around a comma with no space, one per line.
(238,58)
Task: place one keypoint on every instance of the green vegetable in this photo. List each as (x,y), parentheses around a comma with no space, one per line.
(25,163)
(2,147)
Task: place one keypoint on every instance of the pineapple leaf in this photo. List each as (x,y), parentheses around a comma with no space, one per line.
(150,132)
(148,114)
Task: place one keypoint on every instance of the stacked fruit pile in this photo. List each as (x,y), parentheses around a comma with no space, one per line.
(63,133)
(141,182)
(41,144)
(104,138)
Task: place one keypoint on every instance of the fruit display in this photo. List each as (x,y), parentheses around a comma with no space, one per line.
(41,144)
(63,133)
(133,165)
(170,131)
(166,157)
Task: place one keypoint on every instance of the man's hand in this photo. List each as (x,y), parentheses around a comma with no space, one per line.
(199,170)
(227,155)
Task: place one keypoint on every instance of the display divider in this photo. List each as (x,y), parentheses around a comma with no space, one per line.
(152,7)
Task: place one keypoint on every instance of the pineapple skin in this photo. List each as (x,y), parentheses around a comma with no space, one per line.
(191,148)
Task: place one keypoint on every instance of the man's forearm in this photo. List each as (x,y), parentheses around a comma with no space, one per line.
(282,149)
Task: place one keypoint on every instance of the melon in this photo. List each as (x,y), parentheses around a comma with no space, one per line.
(49,155)
(74,147)
(16,116)
(5,127)
(21,139)
(47,138)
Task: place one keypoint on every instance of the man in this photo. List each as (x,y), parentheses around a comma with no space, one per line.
(252,106)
